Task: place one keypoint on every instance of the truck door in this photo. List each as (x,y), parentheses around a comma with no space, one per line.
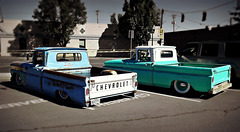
(34,72)
(143,66)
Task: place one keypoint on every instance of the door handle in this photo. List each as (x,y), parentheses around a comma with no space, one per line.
(149,64)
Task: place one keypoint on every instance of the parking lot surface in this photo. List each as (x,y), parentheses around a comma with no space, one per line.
(153,109)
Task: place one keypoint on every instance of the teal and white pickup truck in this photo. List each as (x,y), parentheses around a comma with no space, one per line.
(158,66)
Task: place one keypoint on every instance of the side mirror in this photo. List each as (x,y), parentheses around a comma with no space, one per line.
(27,57)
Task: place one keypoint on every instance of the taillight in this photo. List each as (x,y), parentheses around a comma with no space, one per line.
(87,91)
(212,79)
(134,79)
(136,83)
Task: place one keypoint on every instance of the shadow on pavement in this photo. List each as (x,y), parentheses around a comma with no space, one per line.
(68,103)
(170,91)
(236,84)
(58,101)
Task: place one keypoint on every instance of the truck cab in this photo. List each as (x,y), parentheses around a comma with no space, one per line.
(163,54)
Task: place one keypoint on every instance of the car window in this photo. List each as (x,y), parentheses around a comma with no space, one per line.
(189,50)
(232,50)
(144,55)
(209,50)
(69,57)
(166,54)
(38,58)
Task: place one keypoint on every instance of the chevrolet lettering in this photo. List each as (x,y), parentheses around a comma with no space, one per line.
(111,86)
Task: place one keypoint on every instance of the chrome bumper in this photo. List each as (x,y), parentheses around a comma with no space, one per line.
(220,87)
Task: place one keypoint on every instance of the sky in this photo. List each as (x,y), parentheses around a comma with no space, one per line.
(217,11)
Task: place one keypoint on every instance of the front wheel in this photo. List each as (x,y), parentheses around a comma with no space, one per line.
(17,79)
(181,87)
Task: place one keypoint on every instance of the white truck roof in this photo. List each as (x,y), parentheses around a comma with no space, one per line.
(154,47)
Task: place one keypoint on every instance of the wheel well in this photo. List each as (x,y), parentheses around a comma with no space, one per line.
(58,96)
(13,77)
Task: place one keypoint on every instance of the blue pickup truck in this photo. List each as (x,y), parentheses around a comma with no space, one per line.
(66,73)
(158,66)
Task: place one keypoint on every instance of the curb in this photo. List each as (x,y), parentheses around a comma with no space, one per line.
(5,76)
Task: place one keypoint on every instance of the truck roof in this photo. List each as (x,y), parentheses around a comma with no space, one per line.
(59,48)
(154,47)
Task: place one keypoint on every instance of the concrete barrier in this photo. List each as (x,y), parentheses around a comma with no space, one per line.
(5,76)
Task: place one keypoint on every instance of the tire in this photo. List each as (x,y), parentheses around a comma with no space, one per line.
(63,95)
(181,87)
(17,80)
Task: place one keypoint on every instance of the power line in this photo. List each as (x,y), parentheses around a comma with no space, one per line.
(197,11)
(188,19)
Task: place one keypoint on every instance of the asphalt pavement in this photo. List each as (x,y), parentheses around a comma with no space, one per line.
(153,109)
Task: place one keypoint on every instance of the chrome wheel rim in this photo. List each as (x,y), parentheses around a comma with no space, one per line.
(181,87)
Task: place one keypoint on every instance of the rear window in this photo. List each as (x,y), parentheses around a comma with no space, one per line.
(210,50)
(232,50)
(166,54)
(69,57)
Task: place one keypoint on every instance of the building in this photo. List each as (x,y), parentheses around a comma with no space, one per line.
(17,37)
(226,33)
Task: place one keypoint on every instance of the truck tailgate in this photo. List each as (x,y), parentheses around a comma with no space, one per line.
(109,85)
(221,74)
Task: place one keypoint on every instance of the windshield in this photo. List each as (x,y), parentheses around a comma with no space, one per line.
(144,55)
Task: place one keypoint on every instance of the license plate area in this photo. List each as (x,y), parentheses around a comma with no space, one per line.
(218,88)
(95,101)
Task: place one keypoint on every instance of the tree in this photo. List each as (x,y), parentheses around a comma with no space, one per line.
(58,18)
(113,19)
(140,16)
(236,16)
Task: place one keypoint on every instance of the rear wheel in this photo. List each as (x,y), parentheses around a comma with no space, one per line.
(63,95)
(181,87)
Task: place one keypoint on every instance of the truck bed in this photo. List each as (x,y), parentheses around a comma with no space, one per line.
(84,73)
(100,87)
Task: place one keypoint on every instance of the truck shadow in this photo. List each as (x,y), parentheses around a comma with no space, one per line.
(57,101)
(69,103)
(170,91)
(235,84)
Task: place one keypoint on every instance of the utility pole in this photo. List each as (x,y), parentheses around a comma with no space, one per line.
(131,36)
(1,16)
(174,22)
(97,12)
(161,23)
(231,21)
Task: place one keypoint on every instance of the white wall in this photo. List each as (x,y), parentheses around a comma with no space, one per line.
(91,34)
(4,46)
